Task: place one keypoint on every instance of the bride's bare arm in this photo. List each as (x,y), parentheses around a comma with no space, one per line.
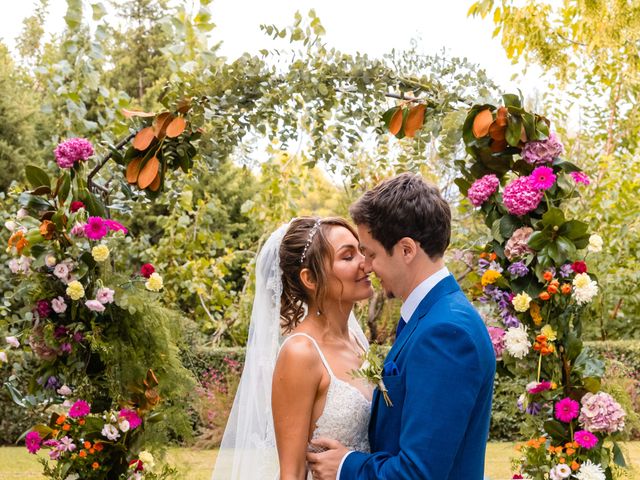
(296,378)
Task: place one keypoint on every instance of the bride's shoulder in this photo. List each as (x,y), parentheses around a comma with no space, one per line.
(299,351)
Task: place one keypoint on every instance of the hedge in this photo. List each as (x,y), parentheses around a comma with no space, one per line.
(506,418)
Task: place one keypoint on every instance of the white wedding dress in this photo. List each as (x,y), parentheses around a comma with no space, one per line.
(346,411)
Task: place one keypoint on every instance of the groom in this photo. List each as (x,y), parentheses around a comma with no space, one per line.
(439,372)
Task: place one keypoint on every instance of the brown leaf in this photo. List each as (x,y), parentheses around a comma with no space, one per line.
(143,139)
(151,378)
(396,122)
(160,124)
(155,185)
(176,127)
(184,105)
(481,123)
(136,113)
(497,132)
(498,145)
(501,116)
(148,173)
(415,120)
(133,170)
(523,135)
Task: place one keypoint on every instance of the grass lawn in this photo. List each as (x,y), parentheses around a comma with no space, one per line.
(16,463)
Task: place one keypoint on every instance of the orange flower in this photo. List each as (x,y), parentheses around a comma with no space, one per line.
(565,289)
(98,447)
(570,451)
(92,451)
(55,432)
(548,276)
(87,445)
(61,419)
(81,421)
(575,465)
(17,240)
(47,229)
(544,296)
(95,465)
(484,255)
(83,453)
(534,311)
(66,427)
(562,460)
(552,289)
(492,257)
(568,445)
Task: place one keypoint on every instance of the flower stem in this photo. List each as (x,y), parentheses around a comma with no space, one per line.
(539,366)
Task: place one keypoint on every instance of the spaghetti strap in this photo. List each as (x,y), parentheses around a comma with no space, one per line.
(324,360)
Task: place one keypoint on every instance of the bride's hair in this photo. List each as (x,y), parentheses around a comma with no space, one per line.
(305,245)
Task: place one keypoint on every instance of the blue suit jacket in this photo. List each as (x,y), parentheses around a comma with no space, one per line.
(438,425)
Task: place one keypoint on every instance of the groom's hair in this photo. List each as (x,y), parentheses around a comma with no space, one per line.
(406,206)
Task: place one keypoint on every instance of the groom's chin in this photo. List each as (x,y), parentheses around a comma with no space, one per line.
(390,295)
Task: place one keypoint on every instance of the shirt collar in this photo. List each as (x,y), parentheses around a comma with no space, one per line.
(415,297)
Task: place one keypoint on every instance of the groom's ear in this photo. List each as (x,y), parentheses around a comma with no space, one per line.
(307,279)
(408,248)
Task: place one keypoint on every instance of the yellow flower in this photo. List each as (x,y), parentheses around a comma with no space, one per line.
(521,302)
(549,332)
(75,290)
(534,311)
(582,280)
(147,459)
(489,277)
(154,283)
(100,253)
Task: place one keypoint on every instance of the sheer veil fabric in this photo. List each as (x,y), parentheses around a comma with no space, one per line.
(248,448)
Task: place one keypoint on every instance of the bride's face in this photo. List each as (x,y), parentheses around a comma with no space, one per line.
(347,281)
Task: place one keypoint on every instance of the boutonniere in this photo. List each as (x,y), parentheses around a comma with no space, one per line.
(372,370)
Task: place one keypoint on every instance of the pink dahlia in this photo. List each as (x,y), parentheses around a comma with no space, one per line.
(497,339)
(115,226)
(482,189)
(585,439)
(542,151)
(567,409)
(538,387)
(79,409)
(132,417)
(95,228)
(33,441)
(71,151)
(580,177)
(542,178)
(521,197)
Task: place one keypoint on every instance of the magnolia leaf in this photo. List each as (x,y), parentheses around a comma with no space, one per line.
(176,127)
(495,231)
(511,100)
(463,185)
(508,225)
(395,124)
(481,123)
(538,240)
(160,124)
(136,113)
(37,177)
(148,173)
(65,188)
(415,120)
(514,130)
(566,248)
(557,430)
(573,346)
(618,456)
(143,139)
(133,170)
(573,229)
(553,218)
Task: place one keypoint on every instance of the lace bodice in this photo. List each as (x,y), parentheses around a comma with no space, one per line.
(346,411)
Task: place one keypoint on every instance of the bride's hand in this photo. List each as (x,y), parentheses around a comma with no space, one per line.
(324,466)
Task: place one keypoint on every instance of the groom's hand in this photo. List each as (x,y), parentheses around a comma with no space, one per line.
(325,465)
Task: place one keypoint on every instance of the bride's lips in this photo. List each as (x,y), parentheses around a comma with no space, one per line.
(364,279)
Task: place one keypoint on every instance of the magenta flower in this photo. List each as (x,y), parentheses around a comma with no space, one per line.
(567,409)
(95,229)
(482,189)
(43,308)
(79,409)
(543,151)
(115,226)
(33,441)
(542,178)
(580,177)
(538,387)
(585,439)
(71,151)
(132,417)
(521,197)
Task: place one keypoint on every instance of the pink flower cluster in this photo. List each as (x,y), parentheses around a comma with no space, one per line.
(543,151)
(580,177)
(497,339)
(132,417)
(538,387)
(601,413)
(585,439)
(79,409)
(33,441)
(71,151)
(97,228)
(521,197)
(482,189)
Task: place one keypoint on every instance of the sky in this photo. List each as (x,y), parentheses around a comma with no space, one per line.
(368,26)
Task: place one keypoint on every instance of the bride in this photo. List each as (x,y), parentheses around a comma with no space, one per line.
(303,343)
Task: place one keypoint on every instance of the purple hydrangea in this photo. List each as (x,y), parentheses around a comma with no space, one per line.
(482,189)
(521,197)
(542,151)
(518,269)
(71,151)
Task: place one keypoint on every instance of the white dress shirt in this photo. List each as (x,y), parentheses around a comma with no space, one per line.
(407,310)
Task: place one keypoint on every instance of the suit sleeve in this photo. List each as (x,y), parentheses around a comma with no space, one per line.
(443,379)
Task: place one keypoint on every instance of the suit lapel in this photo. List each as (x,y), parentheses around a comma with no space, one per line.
(444,287)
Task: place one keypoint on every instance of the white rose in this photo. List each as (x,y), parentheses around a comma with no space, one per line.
(595,243)
(123,424)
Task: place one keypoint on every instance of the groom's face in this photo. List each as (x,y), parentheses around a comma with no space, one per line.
(377,260)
